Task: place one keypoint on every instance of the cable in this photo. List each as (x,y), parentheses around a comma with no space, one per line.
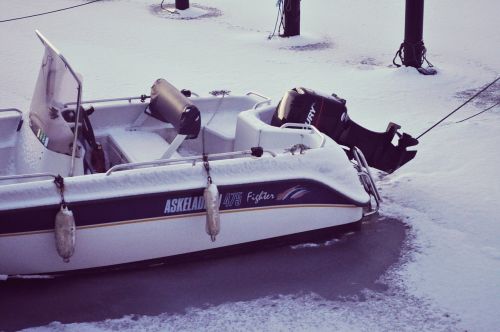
(49,12)
(280,15)
(470,117)
(459,107)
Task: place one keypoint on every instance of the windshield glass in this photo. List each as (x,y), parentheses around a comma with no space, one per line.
(56,86)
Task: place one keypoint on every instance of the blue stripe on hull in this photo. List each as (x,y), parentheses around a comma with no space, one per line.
(147,206)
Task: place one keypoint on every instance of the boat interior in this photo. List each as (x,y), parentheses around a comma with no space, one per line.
(76,137)
(128,133)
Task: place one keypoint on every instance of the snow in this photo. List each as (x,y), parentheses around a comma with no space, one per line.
(195,11)
(281,313)
(450,275)
(314,165)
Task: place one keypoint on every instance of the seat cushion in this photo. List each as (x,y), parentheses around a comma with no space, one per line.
(139,146)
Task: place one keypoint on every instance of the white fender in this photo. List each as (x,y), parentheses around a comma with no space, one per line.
(211,195)
(65,231)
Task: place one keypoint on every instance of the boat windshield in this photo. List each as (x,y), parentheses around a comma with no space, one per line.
(57,87)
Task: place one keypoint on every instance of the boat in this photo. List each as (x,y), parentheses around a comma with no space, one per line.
(91,184)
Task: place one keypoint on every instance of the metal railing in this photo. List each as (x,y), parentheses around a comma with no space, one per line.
(266,100)
(306,126)
(107,100)
(11,110)
(95,101)
(367,180)
(27,176)
(193,160)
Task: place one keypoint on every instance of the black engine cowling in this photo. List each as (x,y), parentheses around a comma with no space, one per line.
(329,115)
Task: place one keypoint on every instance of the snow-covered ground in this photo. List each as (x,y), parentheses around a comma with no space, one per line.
(450,276)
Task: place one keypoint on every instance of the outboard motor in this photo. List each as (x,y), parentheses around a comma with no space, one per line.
(170,105)
(329,115)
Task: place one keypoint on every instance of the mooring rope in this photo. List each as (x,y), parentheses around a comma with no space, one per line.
(59,181)
(459,107)
(279,18)
(49,12)
(404,45)
(487,109)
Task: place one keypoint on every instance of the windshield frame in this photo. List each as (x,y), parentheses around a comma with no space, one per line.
(48,45)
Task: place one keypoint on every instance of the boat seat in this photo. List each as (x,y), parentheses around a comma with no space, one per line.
(170,106)
(140,146)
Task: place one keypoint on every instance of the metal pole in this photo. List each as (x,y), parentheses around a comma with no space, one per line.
(412,51)
(413,48)
(181,4)
(291,18)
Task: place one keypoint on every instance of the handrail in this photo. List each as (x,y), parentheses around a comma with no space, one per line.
(364,173)
(257,94)
(106,100)
(365,165)
(193,159)
(48,44)
(26,176)
(95,101)
(266,100)
(306,126)
(10,110)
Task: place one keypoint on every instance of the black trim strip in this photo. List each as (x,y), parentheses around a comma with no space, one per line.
(155,205)
(187,215)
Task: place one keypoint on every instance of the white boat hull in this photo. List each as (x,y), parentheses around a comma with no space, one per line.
(145,239)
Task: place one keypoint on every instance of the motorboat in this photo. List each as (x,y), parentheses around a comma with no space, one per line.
(88,184)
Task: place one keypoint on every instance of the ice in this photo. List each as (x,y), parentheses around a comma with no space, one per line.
(399,312)
(331,242)
(317,245)
(32,276)
(305,245)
